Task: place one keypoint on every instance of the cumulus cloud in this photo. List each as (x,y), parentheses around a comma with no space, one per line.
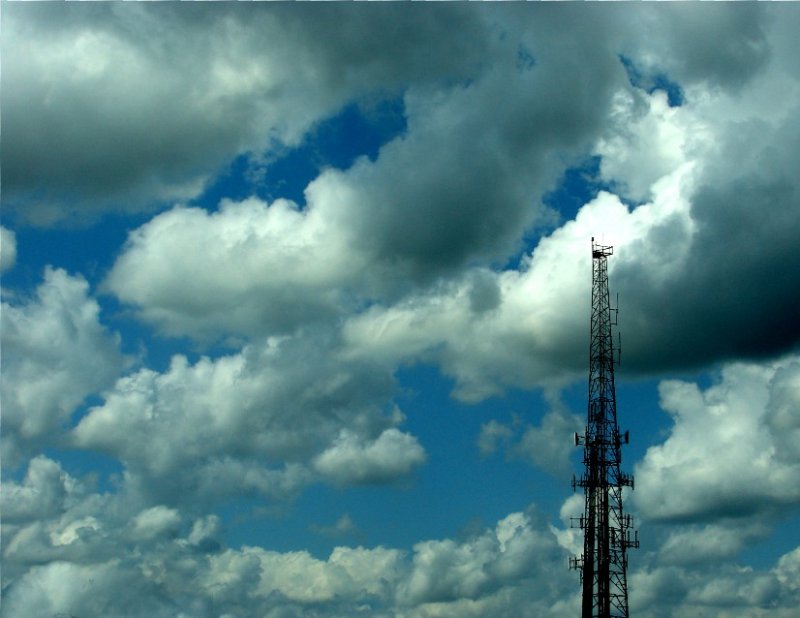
(65,588)
(722,459)
(265,268)
(721,591)
(343,527)
(391,455)
(89,553)
(50,516)
(156,521)
(157,559)
(41,494)
(252,423)
(709,543)
(448,571)
(56,352)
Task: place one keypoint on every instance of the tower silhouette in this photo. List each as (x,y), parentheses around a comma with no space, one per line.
(607,530)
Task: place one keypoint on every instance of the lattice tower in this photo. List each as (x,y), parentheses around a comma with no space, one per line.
(608,532)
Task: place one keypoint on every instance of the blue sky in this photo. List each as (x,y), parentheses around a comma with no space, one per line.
(296,301)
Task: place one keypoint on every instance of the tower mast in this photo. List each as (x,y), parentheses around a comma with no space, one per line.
(607,530)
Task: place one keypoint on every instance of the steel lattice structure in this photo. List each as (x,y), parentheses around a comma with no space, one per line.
(607,530)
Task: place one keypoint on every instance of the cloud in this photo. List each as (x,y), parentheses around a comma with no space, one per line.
(343,527)
(728,426)
(700,238)
(537,333)
(349,460)
(645,139)
(65,588)
(66,561)
(187,90)
(710,543)
(390,235)
(380,228)
(678,40)
(261,422)
(266,268)
(53,516)
(123,108)
(493,435)
(547,445)
(781,415)
(56,352)
(89,553)
(41,494)
(8,249)
(447,571)
(157,521)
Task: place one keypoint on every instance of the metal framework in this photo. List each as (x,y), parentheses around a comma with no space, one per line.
(607,530)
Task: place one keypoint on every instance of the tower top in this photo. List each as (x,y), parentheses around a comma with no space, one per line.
(599,251)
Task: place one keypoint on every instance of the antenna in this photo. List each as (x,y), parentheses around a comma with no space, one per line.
(608,532)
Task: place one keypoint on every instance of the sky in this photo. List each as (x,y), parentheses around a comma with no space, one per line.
(295,305)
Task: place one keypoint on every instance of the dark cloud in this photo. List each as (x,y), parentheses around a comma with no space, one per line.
(715,45)
(736,295)
(127,107)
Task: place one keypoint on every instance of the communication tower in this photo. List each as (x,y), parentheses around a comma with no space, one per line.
(607,530)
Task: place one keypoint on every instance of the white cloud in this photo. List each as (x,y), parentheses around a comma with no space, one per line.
(8,249)
(252,422)
(782,417)
(156,522)
(788,570)
(264,268)
(447,571)
(41,493)
(56,352)
(351,460)
(548,444)
(53,516)
(370,235)
(123,559)
(700,236)
(710,543)
(65,588)
(721,459)
(646,140)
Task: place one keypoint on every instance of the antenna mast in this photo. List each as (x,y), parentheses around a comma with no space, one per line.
(607,530)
